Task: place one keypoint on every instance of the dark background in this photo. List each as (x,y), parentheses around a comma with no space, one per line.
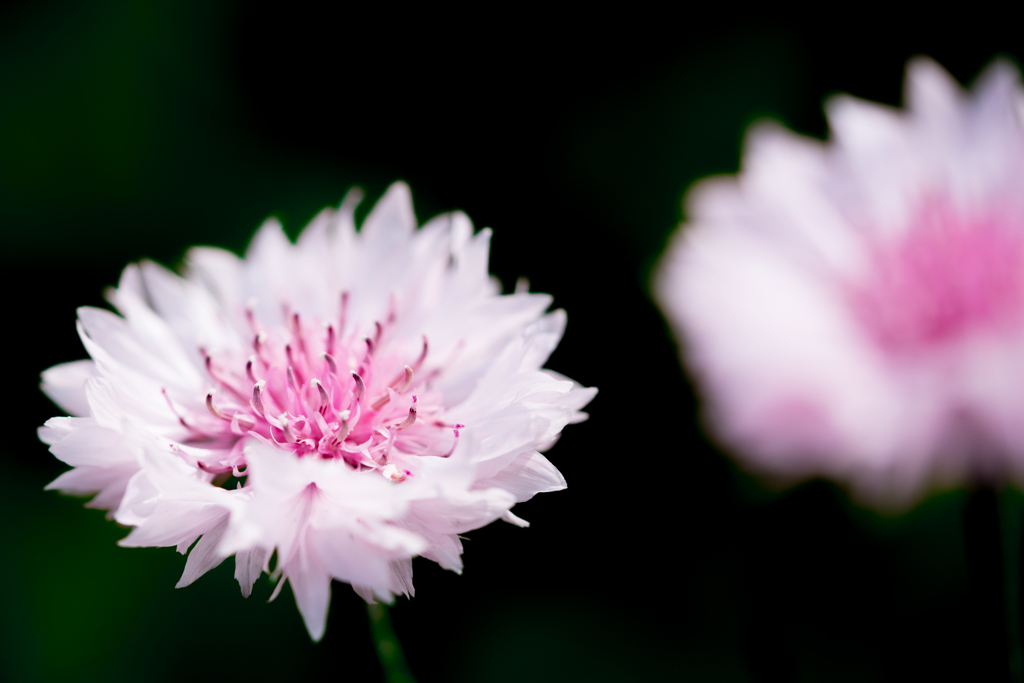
(131,130)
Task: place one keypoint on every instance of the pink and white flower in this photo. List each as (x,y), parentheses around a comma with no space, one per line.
(372,389)
(855,309)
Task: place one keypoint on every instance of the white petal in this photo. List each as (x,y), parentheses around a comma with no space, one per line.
(312,589)
(365,592)
(392,218)
(512,519)
(248,567)
(65,385)
(220,271)
(529,474)
(402,573)
(204,555)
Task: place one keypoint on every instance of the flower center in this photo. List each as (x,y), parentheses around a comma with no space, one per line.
(315,391)
(943,279)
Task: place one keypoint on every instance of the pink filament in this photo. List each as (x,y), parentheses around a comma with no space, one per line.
(944,278)
(302,404)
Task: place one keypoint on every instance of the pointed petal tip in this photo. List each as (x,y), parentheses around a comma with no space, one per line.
(511,518)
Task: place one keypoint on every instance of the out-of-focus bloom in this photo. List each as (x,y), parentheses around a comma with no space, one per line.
(371,388)
(855,309)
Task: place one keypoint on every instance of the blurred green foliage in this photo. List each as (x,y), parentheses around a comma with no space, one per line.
(635,153)
(120,121)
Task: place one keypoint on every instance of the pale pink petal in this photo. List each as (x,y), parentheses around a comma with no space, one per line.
(65,385)
(311,585)
(529,474)
(204,556)
(248,567)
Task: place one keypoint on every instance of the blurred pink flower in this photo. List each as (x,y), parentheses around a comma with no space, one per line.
(855,309)
(372,389)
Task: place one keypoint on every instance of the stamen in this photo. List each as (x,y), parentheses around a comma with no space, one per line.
(289,435)
(296,367)
(215,375)
(304,421)
(410,420)
(221,469)
(381,401)
(344,312)
(250,315)
(248,369)
(173,409)
(297,331)
(321,423)
(456,430)
(360,387)
(257,344)
(403,382)
(394,474)
(387,446)
(325,400)
(214,409)
(343,431)
(242,424)
(257,397)
(331,363)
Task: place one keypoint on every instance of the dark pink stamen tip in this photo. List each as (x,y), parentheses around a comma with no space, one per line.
(250,315)
(331,363)
(410,419)
(170,404)
(257,398)
(214,409)
(360,387)
(325,400)
(213,470)
(404,381)
(248,369)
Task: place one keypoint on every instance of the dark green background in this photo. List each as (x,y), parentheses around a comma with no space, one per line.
(133,129)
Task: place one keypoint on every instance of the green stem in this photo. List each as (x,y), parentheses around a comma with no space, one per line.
(389,650)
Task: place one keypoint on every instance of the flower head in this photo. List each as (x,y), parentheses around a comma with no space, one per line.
(855,309)
(346,402)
